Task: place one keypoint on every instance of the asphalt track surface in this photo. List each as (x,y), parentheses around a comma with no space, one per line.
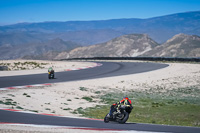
(106,70)
(17,117)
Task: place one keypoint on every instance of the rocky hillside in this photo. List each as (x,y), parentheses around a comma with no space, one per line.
(180,45)
(124,46)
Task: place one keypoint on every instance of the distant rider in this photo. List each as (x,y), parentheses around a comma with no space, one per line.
(50,70)
(115,107)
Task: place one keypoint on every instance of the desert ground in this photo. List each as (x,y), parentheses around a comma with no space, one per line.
(58,97)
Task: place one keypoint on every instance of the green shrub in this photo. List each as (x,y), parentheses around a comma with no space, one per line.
(83,89)
(66,109)
(89,99)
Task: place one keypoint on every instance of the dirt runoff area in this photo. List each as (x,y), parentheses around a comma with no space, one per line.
(65,98)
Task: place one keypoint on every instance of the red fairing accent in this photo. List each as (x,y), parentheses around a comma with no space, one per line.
(122,101)
(129,101)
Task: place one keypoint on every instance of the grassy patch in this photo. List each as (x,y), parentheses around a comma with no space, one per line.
(25,94)
(79,110)
(47,109)
(66,109)
(9,102)
(97,92)
(18,107)
(157,106)
(89,99)
(53,112)
(83,89)
(23,65)
(34,111)
(11,95)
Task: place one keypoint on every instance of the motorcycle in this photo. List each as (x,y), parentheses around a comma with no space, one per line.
(51,75)
(120,115)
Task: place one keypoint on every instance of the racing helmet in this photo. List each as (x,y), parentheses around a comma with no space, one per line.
(125,98)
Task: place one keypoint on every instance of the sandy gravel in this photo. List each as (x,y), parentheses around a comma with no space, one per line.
(38,129)
(65,98)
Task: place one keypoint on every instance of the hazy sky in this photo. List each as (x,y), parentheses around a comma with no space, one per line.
(16,11)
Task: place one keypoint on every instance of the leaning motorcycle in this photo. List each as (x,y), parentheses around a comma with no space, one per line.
(120,115)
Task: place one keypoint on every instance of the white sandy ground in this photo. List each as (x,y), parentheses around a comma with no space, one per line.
(43,129)
(64,98)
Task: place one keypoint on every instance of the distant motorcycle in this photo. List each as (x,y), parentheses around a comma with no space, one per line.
(120,116)
(51,74)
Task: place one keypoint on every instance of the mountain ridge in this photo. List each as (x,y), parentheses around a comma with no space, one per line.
(159,28)
(181,45)
(32,39)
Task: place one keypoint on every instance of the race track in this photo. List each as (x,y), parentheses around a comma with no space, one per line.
(17,117)
(108,69)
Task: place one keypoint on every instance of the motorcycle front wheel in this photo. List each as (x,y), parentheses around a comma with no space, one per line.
(125,118)
(106,119)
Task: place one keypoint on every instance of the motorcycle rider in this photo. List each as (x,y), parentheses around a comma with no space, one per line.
(50,70)
(116,106)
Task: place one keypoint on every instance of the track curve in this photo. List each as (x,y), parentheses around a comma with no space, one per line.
(108,69)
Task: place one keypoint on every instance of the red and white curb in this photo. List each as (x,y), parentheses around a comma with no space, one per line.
(47,84)
(69,127)
(78,128)
(26,86)
(15,110)
(59,127)
(52,126)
